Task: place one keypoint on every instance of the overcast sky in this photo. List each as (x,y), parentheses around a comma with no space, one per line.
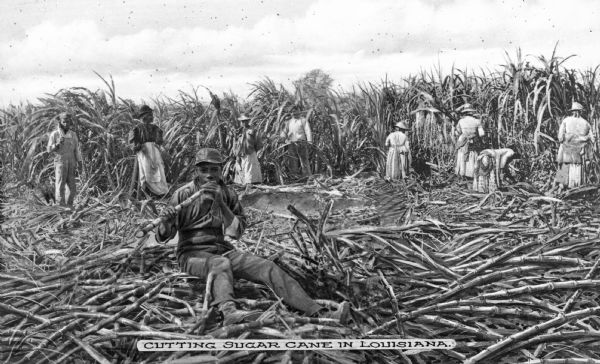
(154,48)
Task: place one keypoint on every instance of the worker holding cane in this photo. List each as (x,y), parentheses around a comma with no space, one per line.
(206,227)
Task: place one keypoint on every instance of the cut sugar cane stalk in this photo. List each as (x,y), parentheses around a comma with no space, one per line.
(154,223)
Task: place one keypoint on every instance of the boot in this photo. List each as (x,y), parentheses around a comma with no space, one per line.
(231,315)
(342,313)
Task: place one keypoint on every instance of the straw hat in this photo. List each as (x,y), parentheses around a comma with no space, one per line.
(145,109)
(466,108)
(576,107)
(243,117)
(425,108)
(401,125)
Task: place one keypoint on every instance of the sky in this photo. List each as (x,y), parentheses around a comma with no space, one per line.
(153,49)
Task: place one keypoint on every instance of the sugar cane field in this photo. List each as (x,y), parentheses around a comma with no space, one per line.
(510,275)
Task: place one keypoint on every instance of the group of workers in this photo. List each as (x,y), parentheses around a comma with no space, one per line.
(208,225)
(146,140)
(487,167)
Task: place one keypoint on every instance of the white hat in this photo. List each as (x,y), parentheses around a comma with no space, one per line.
(243,117)
(576,107)
(401,125)
(466,108)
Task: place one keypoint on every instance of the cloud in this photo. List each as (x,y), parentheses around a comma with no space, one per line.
(353,40)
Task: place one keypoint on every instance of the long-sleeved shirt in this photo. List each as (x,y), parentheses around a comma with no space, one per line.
(398,140)
(145,133)
(501,156)
(298,129)
(469,127)
(69,148)
(201,227)
(574,134)
(574,127)
(248,143)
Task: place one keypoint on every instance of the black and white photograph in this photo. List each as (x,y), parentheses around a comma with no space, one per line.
(308,181)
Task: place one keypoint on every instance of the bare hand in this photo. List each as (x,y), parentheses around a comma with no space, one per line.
(215,190)
(169,213)
(59,143)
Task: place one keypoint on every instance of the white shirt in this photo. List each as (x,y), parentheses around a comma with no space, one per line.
(68,148)
(398,140)
(298,129)
(574,127)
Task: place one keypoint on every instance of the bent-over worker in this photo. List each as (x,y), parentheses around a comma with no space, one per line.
(490,168)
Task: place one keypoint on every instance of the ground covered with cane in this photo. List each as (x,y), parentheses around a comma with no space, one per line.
(510,276)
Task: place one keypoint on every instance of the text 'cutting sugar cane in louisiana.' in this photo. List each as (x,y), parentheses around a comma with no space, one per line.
(368,344)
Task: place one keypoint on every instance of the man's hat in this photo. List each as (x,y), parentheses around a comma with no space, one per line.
(64,116)
(401,125)
(209,155)
(576,107)
(243,117)
(466,108)
(145,109)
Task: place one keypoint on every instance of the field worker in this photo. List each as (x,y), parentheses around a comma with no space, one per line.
(297,133)
(398,157)
(575,136)
(247,146)
(490,168)
(64,144)
(469,131)
(145,137)
(205,229)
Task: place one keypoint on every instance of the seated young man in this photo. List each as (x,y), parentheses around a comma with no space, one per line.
(203,249)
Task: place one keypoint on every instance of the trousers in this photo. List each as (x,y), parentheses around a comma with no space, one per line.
(249,267)
(64,174)
(298,159)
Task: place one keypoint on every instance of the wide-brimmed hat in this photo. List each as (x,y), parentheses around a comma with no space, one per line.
(576,107)
(63,116)
(425,108)
(145,109)
(209,155)
(401,125)
(466,108)
(244,117)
